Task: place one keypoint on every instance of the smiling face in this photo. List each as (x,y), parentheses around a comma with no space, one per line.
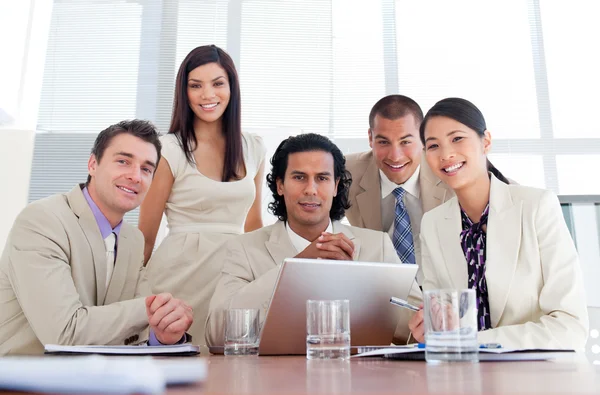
(121,178)
(396,146)
(455,152)
(208,92)
(308,189)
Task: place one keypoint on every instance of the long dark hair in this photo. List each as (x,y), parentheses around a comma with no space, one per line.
(468,114)
(306,143)
(182,120)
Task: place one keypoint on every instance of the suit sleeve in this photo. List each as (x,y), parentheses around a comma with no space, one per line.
(401,335)
(415,296)
(40,274)
(565,321)
(142,288)
(141,291)
(237,288)
(430,280)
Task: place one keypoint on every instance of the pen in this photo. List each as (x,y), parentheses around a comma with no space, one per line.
(490,345)
(484,345)
(403,303)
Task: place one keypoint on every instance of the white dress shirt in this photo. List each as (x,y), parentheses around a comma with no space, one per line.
(299,242)
(412,202)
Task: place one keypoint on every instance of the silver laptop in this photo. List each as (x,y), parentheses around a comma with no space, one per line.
(367,285)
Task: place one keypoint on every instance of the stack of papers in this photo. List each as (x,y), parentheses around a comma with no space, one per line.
(413,352)
(98,374)
(175,350)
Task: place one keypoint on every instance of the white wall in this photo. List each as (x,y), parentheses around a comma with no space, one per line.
(16,152)
(14,19)
(24,27)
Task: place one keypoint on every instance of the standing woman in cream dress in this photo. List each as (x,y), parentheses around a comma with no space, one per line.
(208,185)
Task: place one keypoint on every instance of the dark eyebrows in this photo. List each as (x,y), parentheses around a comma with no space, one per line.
(448,135)
(301,173)
(131,156)
(151,164)
(195,80)
(406,136)
(123,153)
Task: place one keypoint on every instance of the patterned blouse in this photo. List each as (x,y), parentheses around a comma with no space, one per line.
(472,240)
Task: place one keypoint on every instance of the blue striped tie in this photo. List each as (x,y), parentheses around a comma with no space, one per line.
(403,240)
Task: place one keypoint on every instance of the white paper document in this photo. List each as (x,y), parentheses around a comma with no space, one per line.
(98,374)
(177,349)
(413,352)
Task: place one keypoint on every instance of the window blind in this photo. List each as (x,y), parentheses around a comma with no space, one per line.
(320,65)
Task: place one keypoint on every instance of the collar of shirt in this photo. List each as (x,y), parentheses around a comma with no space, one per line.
(412,185)
(299,242)
(101,220)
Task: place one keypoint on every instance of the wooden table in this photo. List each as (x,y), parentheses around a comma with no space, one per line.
(296,375)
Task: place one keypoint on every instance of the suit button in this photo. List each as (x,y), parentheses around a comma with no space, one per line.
(131,339)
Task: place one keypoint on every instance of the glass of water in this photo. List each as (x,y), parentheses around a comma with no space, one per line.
(242,332)
(450,325)
(328,329)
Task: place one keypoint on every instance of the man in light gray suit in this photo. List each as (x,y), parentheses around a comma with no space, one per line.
(392,184)
(72,271)
(310,187)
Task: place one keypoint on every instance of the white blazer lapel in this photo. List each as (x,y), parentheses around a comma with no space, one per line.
(503,241)
(449,234)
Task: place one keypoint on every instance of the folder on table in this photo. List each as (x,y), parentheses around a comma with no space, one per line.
(172,350)
(413,352)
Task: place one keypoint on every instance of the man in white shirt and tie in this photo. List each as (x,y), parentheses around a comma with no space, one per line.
(72,270)
(392,186)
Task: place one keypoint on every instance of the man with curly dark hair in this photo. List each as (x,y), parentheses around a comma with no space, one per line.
(310,187)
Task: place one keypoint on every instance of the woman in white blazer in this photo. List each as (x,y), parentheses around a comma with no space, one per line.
(508,242)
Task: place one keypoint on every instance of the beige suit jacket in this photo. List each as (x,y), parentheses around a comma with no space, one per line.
(251,268)
(365,196)
(365,191)
(533,275)
(53,275)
